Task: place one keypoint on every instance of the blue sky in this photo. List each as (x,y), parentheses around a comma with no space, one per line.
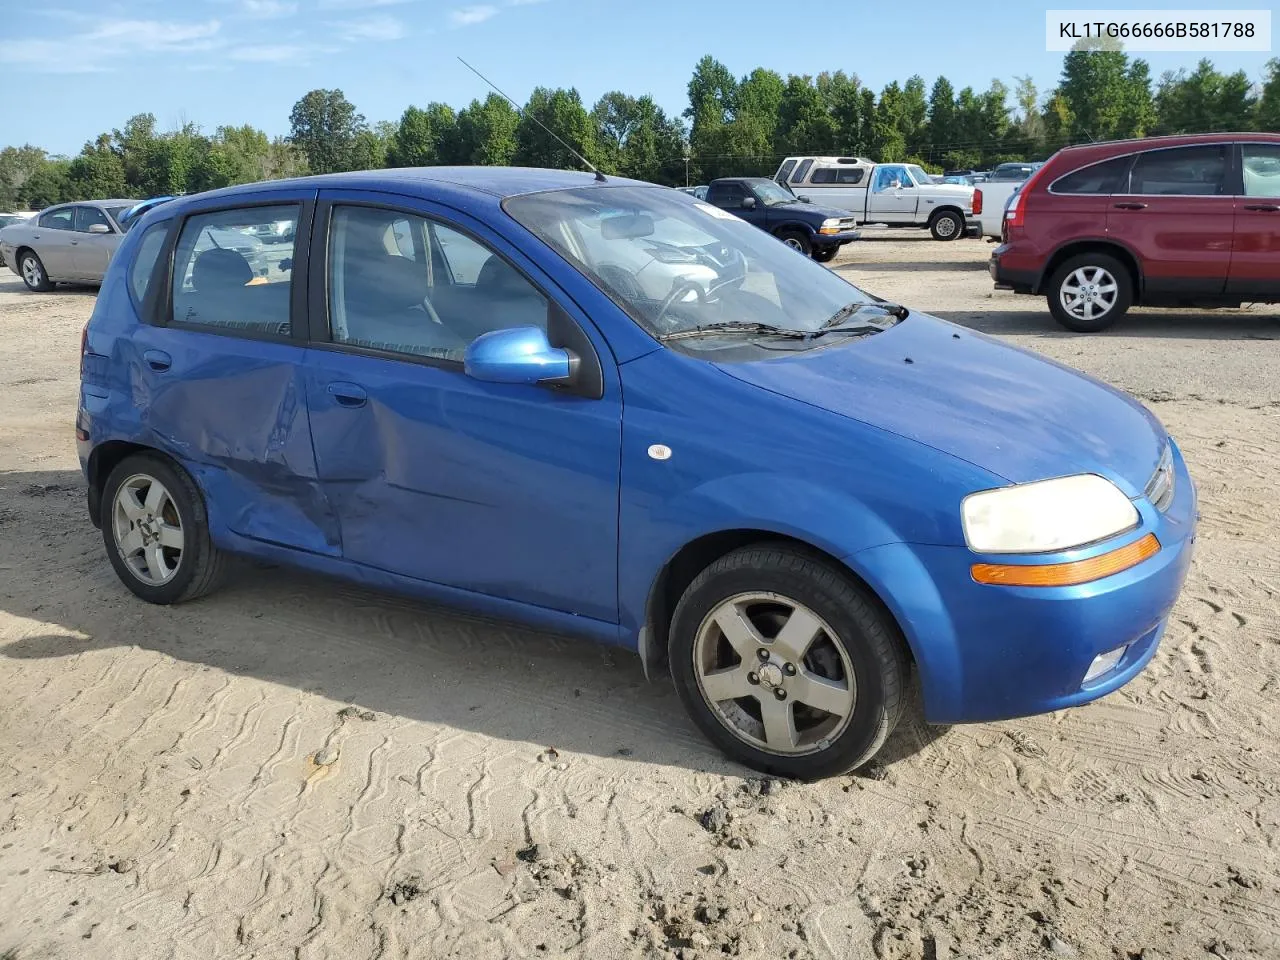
(75,68)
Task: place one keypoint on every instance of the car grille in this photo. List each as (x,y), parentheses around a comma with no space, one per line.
(848,223)
(1159,489)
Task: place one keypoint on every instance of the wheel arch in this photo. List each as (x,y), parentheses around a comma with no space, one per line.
(104,458)
(1074,248)
(948,208)
(794,226)
(695,556)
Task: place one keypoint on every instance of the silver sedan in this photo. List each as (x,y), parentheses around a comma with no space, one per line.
(67,243)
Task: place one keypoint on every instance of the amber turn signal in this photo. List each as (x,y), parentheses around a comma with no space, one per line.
(1067,574)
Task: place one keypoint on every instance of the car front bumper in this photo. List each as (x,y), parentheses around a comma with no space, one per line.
(994,652)
(828,240)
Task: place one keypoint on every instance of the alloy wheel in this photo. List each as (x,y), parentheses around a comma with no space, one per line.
(1088,293)
(774,674)
(148,529)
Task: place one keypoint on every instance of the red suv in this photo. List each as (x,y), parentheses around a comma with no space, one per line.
(1166,221)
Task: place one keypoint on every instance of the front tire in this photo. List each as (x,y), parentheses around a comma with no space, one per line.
(156,531)
(786,664)
(947,225)
(797,240)
(1090,292)
(826,254)
(33,273)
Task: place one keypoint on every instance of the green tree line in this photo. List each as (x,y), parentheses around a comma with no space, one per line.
(732,126)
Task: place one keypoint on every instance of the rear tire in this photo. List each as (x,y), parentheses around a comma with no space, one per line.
(797,240)
(947,225)
(825,254)
(854,664)
(156,531)
(33,273)
(1087,283)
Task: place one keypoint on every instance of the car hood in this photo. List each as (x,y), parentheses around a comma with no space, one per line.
(813,209)
(1011,412)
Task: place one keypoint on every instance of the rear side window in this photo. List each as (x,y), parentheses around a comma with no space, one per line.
(785,171)
(225,276)
(802,171)
(1099,178)
(824,175)
(850,176)
(144,260)
(727,195)
(1181,171)
(1261,170)
(63,219)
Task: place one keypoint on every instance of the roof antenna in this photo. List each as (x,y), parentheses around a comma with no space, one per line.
(520,110)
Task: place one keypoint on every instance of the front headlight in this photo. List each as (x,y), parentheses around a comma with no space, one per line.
(1046,516)
(830,225)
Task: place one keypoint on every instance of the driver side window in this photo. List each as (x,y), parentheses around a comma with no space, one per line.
(886,177)
(409,285)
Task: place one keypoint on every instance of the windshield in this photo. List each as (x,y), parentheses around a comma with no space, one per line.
(771,193)
(115,212)
(918,174)
(675,264)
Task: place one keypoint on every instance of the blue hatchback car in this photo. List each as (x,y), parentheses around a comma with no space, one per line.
(607,408)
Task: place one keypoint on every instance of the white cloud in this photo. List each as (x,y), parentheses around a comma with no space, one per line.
(270,52)
(269,9)
(99,47)
(359,4)
(469,16)
(380,28)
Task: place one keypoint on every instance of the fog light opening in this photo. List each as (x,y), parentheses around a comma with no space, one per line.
(1103,664)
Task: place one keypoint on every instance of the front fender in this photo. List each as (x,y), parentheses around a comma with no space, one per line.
(763,502)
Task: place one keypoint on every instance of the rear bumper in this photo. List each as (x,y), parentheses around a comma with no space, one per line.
(1010,272)
(993,653)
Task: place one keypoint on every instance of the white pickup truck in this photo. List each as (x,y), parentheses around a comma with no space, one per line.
(1001,184)
(896,194)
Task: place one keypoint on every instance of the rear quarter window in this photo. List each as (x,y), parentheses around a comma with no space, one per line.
(145,258)
(1098,178)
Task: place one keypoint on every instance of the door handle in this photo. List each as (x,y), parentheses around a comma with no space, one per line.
(1131,206)
(1263,207)
(348,394)
(157,360)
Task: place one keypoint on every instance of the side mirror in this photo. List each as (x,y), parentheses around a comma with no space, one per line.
(99,228)
(749,203)
(805,199)
(518,355)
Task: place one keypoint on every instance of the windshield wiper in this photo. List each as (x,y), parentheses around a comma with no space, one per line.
(735,326)
(851,328)
(847,311)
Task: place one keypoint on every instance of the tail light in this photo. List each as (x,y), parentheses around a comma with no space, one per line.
(84,339)
(977,201)
(1016,214)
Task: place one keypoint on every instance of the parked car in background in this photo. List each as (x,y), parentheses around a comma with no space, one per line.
(699,191)
(1166,221)
(794,521)
(71,242)
(6,219)
(813,230)
(897,194)
(996,191)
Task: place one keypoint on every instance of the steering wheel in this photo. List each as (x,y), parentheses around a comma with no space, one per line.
(677,291)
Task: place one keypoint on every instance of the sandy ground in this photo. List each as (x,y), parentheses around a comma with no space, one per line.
(487,791)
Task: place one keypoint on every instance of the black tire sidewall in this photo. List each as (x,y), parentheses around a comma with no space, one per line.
(198,547)
(880,680)
(806,245)
(1124,295)
(46,284)
(825,254)
(954,218)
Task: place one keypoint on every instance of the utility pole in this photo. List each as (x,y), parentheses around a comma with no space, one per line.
(686,171)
